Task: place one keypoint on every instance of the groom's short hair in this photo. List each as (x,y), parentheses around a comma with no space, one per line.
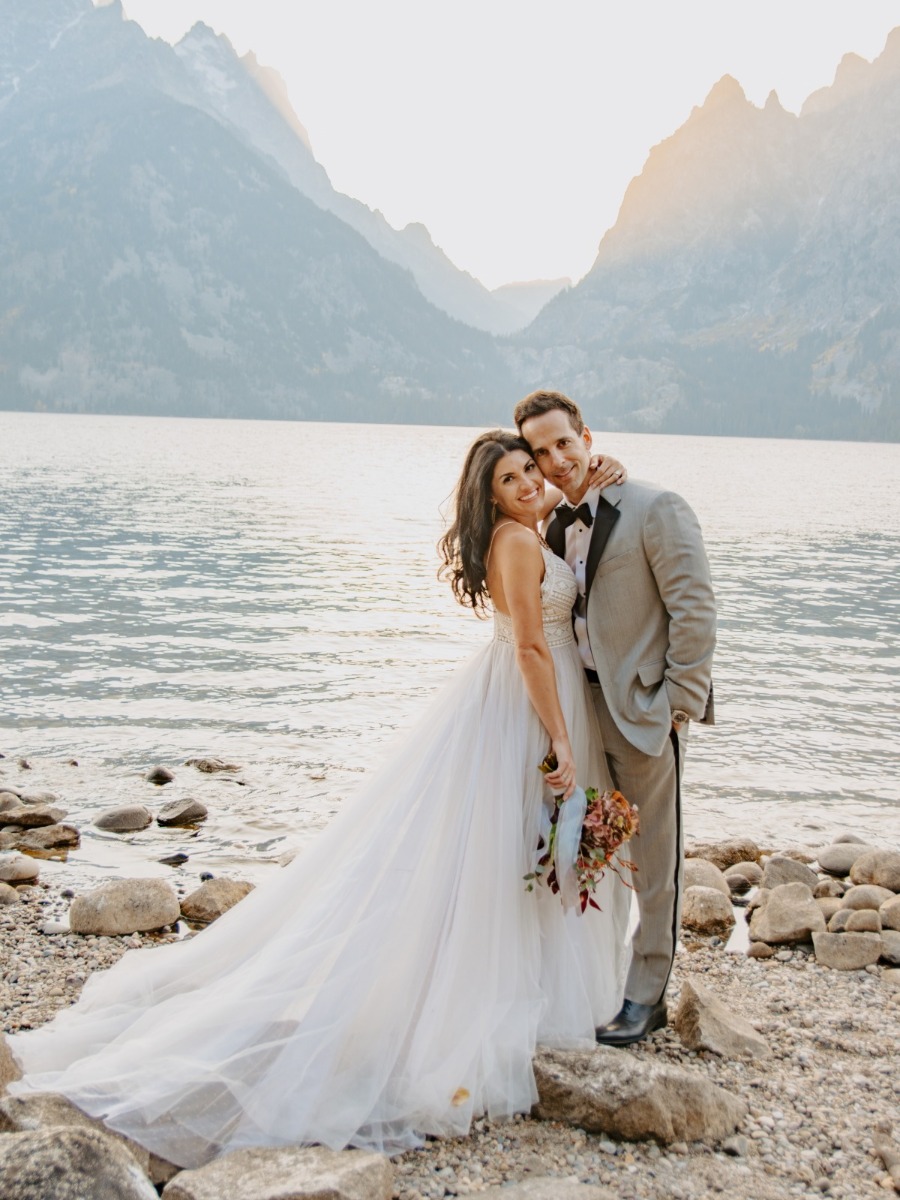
(539,403)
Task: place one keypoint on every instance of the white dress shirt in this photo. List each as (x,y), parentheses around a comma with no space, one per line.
(578,543)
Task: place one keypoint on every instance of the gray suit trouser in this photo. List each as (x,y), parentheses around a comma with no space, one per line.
(653,784)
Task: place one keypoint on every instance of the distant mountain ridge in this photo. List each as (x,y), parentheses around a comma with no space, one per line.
(168,243)
(154,260)
(751,283)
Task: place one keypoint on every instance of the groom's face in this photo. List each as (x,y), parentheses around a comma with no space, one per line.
(563,455)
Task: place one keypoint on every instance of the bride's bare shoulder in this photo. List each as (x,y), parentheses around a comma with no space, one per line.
(513,533)
(515,547)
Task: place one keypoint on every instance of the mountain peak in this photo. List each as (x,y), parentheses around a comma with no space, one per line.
(773,104)
(891,51)
(201,34)
(850,70)
(725,99)
(418,231)
(853,75)
(726,92)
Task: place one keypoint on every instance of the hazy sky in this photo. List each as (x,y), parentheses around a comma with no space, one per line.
(511,128)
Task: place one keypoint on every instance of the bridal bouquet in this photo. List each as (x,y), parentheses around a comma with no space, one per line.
(580,840)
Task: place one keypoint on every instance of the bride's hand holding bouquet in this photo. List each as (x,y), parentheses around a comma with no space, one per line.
(559,768)
(581,839)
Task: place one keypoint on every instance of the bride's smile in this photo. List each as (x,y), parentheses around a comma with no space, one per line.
(517,487)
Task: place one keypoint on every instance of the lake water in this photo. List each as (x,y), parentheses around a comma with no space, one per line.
(267,593)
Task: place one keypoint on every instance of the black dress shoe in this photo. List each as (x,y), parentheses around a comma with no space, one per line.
(632,1023)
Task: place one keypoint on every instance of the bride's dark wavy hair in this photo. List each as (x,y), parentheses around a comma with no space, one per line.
(465,544)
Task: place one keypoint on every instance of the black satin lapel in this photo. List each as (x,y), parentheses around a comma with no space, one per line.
(606,517)
(556,538)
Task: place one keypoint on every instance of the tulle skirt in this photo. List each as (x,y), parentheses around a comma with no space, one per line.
(391,982)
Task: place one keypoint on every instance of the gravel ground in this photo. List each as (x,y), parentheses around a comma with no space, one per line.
(814,1103)
(831,1078)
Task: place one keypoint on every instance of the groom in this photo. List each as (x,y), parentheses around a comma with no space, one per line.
(645,622)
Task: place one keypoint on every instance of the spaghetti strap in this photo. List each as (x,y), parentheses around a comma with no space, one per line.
(543,544)
(497,528)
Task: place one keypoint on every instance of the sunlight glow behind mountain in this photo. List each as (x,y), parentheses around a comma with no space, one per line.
(512,131)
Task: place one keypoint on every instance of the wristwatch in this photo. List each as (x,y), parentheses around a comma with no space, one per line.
(679,716)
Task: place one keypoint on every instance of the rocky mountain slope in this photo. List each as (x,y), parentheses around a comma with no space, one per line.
(152,259)
(750,284)
(253,100)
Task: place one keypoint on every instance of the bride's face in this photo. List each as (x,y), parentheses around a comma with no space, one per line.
(517,486)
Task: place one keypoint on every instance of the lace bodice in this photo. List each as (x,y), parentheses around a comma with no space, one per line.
(558,594)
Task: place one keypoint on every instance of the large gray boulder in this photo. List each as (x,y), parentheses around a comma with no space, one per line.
(38,797)
(182,812)
(700,873)
(725,854)
(781,869)
(31,816)
(750,870)
(49,1110)
(838,858)
(707,911)
(862,920)
(44,837)
(606,1091)
(866,895)
(212,898)
(847,951)
(881,867)
(69,1164)
(789,915)
(287,1173)
(18,868)
(127,818)
(703,1022)
(125,906)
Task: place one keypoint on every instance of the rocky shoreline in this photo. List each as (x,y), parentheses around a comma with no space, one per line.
(775,1078)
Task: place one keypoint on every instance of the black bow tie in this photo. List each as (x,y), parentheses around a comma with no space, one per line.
(567,516)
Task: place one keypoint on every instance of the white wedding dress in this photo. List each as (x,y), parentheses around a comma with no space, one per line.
(393,980)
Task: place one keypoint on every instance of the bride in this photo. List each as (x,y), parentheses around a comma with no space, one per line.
(393,981)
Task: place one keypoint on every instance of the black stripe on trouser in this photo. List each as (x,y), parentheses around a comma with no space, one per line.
(673,737)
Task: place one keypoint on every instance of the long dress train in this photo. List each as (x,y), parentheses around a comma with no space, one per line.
(394,979)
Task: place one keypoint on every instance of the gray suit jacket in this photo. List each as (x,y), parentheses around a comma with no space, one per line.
(651,613)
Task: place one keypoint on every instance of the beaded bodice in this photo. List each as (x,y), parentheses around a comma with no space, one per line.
(558,594)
